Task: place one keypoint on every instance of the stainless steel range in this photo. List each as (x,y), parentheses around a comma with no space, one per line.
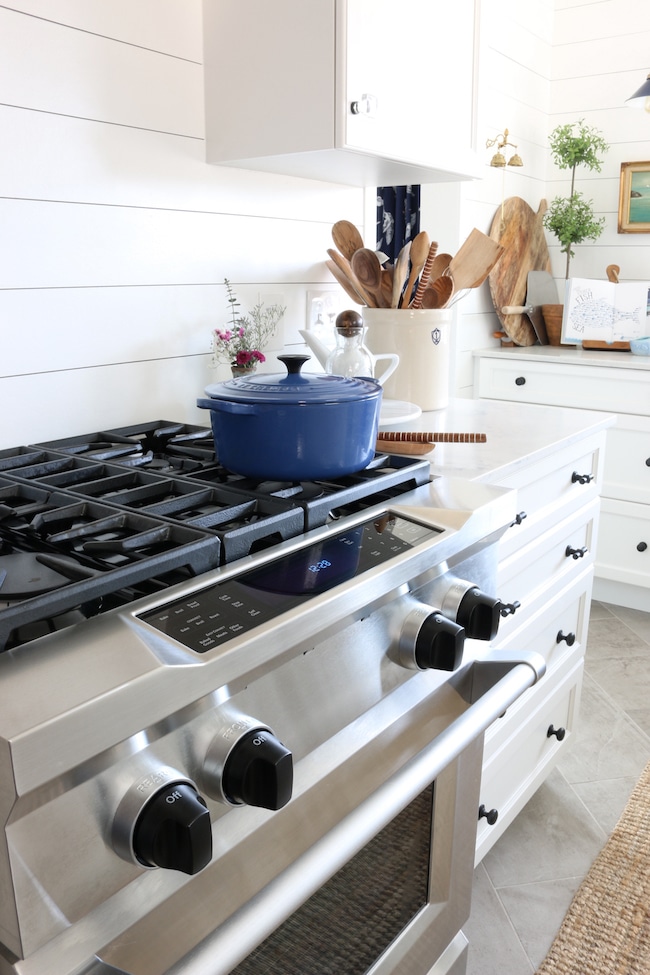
(241,724)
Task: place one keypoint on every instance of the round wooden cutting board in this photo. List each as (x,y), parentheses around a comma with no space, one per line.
(520,230)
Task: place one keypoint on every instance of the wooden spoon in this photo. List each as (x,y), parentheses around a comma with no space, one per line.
(345,283)
(399,274)
(419,254)
(438,292)
(345,268)
(367,270)
(347,238)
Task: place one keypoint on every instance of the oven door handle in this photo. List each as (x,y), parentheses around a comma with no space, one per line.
(489,686)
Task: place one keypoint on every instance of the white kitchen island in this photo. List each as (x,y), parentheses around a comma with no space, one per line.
(554,458)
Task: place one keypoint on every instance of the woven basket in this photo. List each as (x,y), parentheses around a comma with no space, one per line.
(553,321)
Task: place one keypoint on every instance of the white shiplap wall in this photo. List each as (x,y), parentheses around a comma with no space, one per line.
(116,235)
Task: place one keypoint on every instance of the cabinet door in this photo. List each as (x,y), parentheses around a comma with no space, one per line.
(409,58)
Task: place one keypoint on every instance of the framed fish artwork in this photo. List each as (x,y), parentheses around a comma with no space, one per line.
(634,198)
(596,310)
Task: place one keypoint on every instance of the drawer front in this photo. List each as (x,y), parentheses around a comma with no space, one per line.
(533,577)
(550,490)
(562,384)
(623,551)
(513,773)
(557,630)
(627,460)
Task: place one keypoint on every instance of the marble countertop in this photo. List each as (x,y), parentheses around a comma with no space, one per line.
(517,434)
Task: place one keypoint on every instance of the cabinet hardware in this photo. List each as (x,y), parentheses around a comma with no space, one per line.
(520,381)
(569,638)
(559,733)
(647,462)
(518,519)
(642,546)
(509,609)
(491,815)
(576,553)
(367,105)
(581,478)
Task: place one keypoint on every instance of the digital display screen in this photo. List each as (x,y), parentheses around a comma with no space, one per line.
(209,618)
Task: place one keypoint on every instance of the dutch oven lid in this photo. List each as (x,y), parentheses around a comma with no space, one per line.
(295,387)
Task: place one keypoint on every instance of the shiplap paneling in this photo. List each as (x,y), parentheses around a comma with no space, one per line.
(169,26)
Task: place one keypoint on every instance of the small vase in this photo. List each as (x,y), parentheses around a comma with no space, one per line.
(238,371)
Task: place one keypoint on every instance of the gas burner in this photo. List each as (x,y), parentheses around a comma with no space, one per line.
(25,574)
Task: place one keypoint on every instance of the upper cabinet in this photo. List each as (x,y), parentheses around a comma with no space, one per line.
(362,92)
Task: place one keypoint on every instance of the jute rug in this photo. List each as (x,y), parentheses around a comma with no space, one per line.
(606,930)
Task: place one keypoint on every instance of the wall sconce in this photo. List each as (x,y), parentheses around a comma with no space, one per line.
(498,159)
(641,98)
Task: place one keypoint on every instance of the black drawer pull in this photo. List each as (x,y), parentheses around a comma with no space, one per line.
(520,381)
(509,609)
(491,815)
(560,733)
(576,553)
(581,478)
(569,638)
(647,462)
(518,519)
(642,546)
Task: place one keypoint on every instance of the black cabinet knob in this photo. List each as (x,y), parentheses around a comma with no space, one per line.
(642,546)
(576,553)
(569,638)
(509,609)
(491,815)
(259,771)
(581,478)
(520,381)
(560,733)
(173,830)
(518,519)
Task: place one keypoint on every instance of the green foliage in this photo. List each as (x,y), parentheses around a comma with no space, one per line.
(577,144)
(571,219)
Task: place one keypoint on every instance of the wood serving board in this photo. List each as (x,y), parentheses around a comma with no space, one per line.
(520,231)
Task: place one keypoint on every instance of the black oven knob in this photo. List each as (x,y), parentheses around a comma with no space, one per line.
(173,830)
(430,641)
(479,615)
(258,771)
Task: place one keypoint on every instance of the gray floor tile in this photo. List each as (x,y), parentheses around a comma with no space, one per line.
(637,621)
(554,837)
(494,948)
(537,911)
(606,799)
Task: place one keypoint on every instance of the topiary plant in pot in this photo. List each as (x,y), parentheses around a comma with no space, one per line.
(571,219)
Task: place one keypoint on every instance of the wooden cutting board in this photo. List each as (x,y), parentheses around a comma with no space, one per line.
(520,231)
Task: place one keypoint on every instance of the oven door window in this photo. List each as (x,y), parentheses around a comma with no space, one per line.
(348,924)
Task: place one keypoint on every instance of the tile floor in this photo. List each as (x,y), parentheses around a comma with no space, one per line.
(525,884)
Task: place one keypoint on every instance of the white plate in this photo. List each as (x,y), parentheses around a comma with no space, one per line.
(397,411)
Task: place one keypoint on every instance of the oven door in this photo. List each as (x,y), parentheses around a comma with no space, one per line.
(384,889)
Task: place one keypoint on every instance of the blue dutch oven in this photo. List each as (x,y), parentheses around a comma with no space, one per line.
(294,427)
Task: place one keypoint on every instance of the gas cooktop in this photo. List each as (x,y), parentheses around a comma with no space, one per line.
(95,521)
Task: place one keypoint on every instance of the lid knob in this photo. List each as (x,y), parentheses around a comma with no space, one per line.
(294,363)
(349,322)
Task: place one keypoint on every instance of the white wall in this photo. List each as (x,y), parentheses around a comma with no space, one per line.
(116,235)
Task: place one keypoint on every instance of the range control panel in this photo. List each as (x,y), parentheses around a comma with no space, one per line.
(209,618)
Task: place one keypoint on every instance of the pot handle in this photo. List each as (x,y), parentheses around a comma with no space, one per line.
(227,406)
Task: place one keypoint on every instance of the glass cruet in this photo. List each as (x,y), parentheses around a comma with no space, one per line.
(349,357)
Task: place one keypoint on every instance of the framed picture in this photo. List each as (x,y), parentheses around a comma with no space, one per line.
(634,198)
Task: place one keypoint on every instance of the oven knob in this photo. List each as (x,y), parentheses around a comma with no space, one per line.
(430,641)
(258,771)
(173,830)
(479,615)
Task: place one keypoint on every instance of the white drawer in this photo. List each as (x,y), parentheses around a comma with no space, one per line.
(551,489)
(535,574)
(623,552)
(627,460)
(564,384)
(513,772)
(558,628)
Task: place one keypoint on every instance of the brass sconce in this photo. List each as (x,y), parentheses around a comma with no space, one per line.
(498,159)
